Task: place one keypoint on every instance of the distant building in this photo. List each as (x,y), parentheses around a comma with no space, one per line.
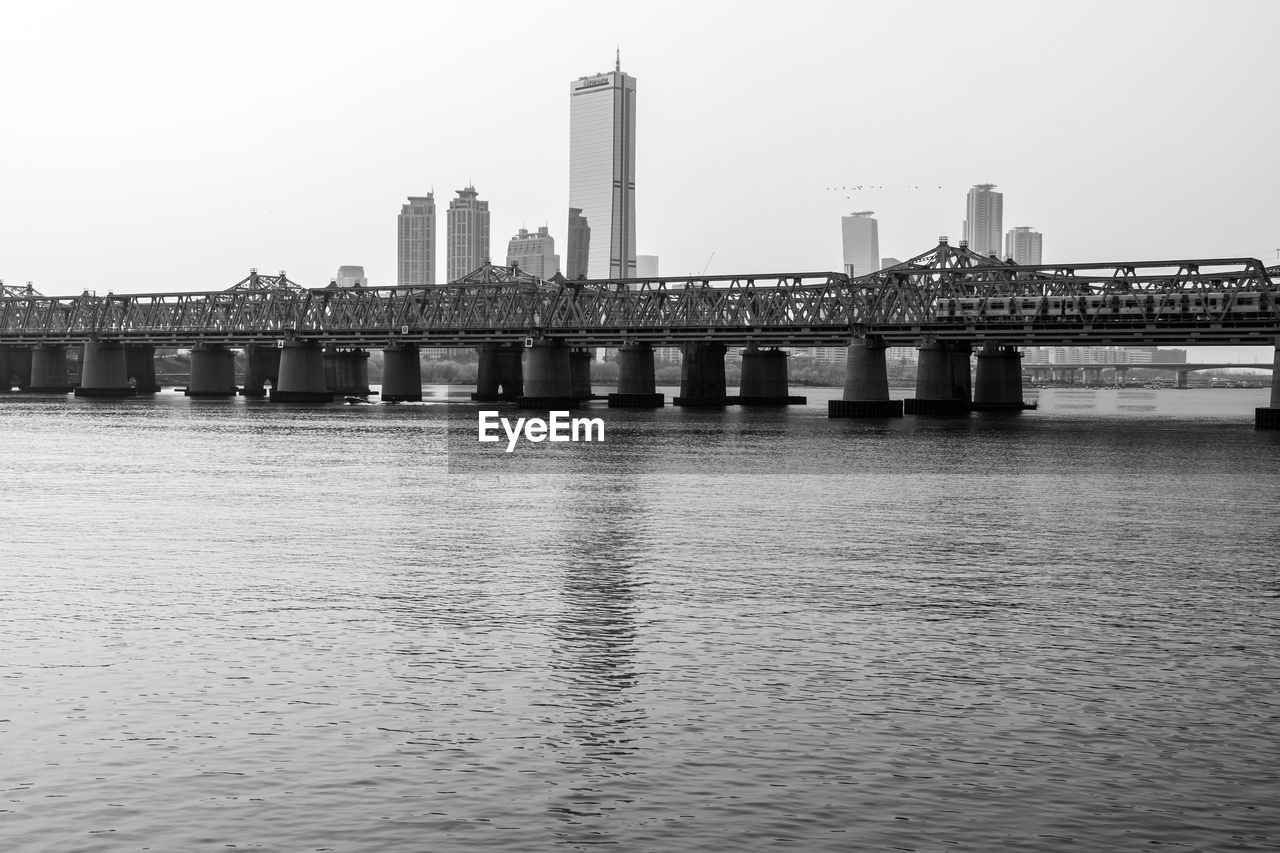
(602,175)
(534,253)
(351,277)
(646,266)
(416,241)
(885,263)
(984,219)
(468,240)
(1023,245)
(861,243)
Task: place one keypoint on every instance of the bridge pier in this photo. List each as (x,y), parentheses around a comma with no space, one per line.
(943,386)
(1182,378)
(213,371)
(998,383)
(140,366)
(764,379)
(1269,418)
(262,365)
(49,370)
(302,374)
(500,373)
(346,371)
(702,380)
(637,388)
(580,373)
(15,368)
(401,373)
(104,370)
(1092,375)
(866,383)
(548,376)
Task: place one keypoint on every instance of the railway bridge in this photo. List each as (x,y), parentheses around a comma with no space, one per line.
(533,334)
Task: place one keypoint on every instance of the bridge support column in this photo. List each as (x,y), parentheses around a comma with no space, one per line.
(262,365)
(302,378)
(1122,374)
(866,384)
(637,388)
(580,373)
(15,368)
(500,373)
(104,370)
(1269,418)
(702,375)
(998,385)
(213,371)
(49,370)
(942,380)
(1092,375)
(140,364)
(401,373)
(764,379)
(1182,378)
(548,377)
(346,371)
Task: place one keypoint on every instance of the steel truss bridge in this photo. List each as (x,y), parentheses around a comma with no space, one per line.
(947,293)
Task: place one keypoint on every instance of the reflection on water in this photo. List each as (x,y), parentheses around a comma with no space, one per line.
(306,628)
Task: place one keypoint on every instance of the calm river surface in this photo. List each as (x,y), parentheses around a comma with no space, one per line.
(239,625)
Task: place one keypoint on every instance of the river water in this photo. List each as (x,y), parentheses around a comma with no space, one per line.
(239,625)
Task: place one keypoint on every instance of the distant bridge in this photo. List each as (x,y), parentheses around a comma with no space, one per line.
(945,294)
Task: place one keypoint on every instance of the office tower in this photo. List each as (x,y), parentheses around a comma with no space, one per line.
(885,263)
(1023,245)
(416,241)
(646,266)
(468,242)
(534,253)
(351,276)
(861,243)
(579,244)
(602,175)
(984,219)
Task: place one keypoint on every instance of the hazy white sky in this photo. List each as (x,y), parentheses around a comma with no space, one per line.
(172,146)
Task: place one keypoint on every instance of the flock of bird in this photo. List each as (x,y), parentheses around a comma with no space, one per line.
(869,187)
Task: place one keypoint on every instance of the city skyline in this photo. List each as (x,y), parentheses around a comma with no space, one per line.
(95,127)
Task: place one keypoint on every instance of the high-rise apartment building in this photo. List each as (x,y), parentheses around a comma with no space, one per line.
(534,253)
(350,276)
(1023,245)
(416,241)
(468,240)
(984,219)
(861,243)
(602,175)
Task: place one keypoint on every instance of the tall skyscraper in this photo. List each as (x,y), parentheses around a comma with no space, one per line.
(416,241)
(861,243)
(1023,245)
(468,245)
(534,253)
(984,219)
(579,244)
(602,174)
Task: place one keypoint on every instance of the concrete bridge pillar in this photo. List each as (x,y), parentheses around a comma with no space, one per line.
(346,371)
(764,379)
(580,373)
(401,373)
(637,388)
(262,365)
(500,373)
(998,385)
(104,370)
(866,384)
(1092,376)
(213,371)
(302,376)
(49,369)
(1182,378)
(140,363)
(1122,374)
(15,367)
(548,377)
(943,386)
(702,375)
(1269,418)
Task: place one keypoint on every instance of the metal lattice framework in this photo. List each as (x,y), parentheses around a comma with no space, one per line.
(946,293)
